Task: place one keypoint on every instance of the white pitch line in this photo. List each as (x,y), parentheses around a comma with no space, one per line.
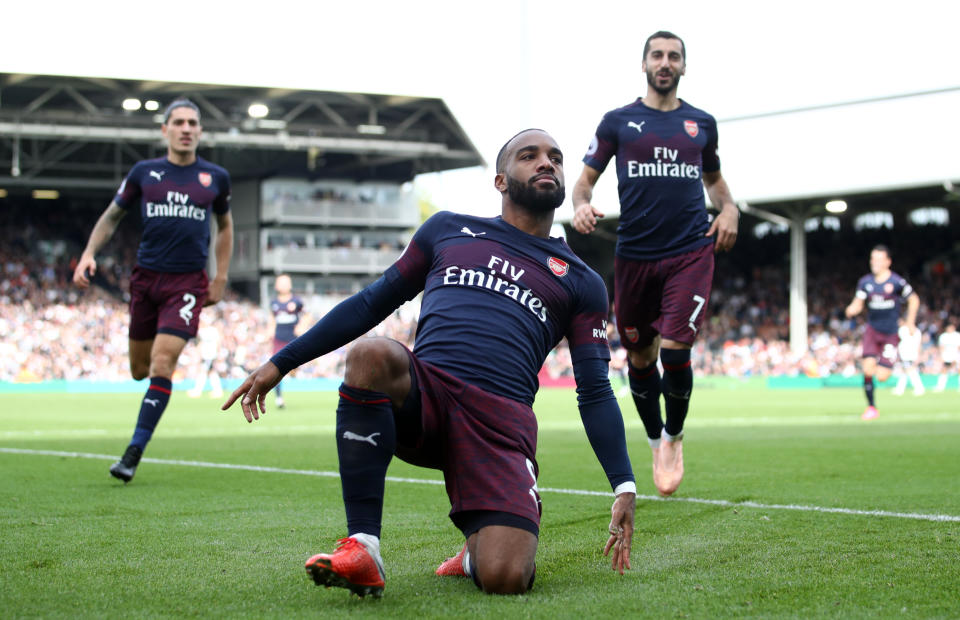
(332,474)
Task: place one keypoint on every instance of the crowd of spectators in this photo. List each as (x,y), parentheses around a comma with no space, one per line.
(52,330)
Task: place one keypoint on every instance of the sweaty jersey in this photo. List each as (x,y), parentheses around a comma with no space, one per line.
(286,315)
(496,300)
(883,300)
(661,158)
(175,204)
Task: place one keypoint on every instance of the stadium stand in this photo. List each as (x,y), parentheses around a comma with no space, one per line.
(54,331)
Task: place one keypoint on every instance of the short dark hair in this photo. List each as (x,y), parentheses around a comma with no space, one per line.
(882,248)
(664,34)
(503,149)
(181,102)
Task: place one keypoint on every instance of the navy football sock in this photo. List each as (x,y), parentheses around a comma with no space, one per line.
(645,388)
(151,408)
(677,385)
(366,440)
(868,389)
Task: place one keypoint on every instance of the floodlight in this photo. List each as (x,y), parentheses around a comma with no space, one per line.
(258,110)
(45,194)
(152,105)
(131,105)
(836,206)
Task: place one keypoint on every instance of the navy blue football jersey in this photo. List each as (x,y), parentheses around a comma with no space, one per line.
(661,158)
(883,300)
(175,204)
(497,300)
(286,315)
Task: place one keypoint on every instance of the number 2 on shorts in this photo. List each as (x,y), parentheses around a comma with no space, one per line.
(186,312)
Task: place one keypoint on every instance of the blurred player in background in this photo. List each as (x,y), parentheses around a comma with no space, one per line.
(285,315)
(882,292)
(208,341)
(949,344)
(498,295)
(909,353)
(177,196)
(666,152)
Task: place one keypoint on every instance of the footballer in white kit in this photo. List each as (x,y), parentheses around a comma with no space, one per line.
(949,344)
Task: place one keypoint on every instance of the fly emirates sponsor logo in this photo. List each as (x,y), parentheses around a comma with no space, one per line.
(177,205)
(501,277)
(879,302)
(666,165)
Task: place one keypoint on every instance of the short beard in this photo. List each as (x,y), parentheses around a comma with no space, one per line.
(662,90)
(536,200)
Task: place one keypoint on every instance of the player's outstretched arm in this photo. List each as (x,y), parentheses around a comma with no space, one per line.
(585,214)
(621,531)
(603,424)
(254,390)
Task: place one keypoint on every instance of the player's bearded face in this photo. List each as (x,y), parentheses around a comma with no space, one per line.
(656,79)
(534,198)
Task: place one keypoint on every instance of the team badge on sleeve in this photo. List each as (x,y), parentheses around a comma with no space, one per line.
(693,130)
(558,267)
(632,334)
(205,178)
(594,145)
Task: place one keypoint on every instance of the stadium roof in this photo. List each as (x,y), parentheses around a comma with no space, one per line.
(74,132)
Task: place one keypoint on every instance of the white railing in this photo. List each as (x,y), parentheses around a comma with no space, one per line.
(341,213)
(328,260)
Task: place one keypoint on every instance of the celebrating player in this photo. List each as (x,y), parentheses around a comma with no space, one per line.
(882,292)
(499,294)
(169,284)
(285,311)
(666,153)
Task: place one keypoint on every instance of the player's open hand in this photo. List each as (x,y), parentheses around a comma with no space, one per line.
(621,531)
(724,228)
(585,218)
(86,268)
(254,391)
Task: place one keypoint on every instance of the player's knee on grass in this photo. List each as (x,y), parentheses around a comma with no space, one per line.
(504,559)
(504,575)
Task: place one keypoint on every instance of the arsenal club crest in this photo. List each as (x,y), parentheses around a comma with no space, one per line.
(205,179)
(693,130)
(888,288)
(558,267)
(632,334)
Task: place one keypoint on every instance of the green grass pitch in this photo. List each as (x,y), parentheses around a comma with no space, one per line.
(791,507)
